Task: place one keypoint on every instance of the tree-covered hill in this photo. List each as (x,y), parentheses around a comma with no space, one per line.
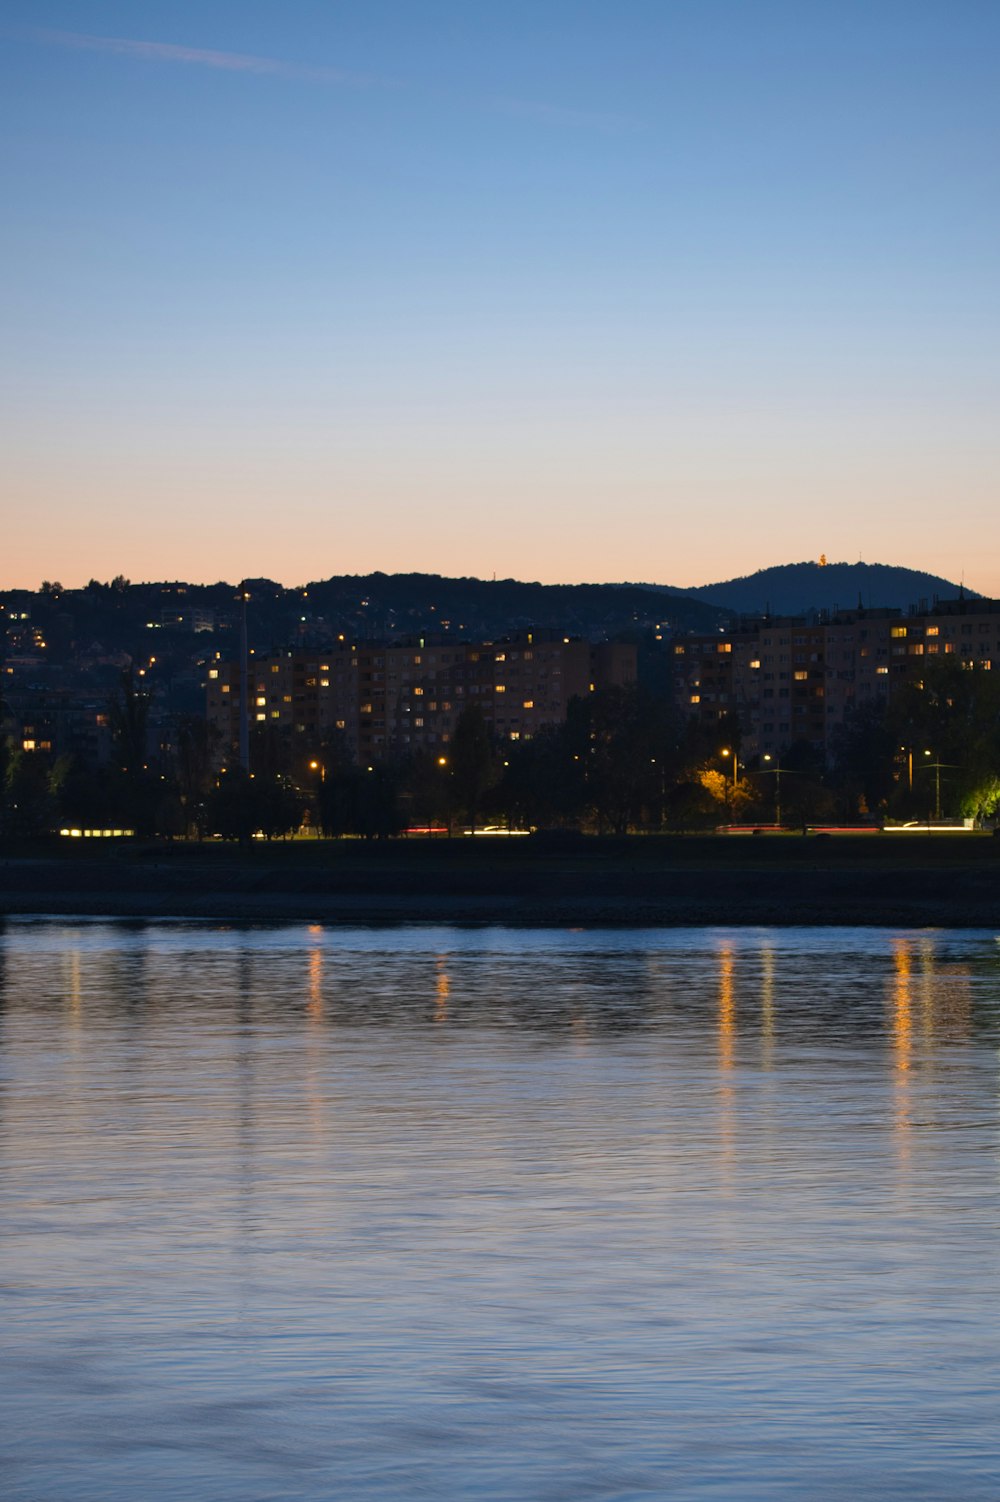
(800,588)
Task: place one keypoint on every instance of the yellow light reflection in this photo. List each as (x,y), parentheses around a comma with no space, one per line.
(726,1054)
(927,1004)
(314,1006)
(727,1009)
(316,1036)
(442,989)
(902,1042)
(902,1013)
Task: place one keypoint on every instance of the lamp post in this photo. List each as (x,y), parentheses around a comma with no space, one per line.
(320,767)
(726,751)
(937,764)
(776,769)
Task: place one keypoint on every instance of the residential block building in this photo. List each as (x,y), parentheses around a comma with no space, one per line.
(387,700)
(792,680)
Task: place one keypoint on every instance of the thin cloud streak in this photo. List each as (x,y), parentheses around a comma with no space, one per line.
(274,67)
(226,62)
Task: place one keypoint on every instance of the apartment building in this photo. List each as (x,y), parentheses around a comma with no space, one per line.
(388,700)
(793,680)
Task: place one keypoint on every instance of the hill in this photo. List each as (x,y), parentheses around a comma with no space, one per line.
(108,621)
(390,604)
(800,588)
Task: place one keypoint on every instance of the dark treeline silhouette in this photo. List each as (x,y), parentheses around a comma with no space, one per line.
(132,618)
(625,760)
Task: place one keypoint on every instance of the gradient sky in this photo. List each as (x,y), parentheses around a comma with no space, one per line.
(662,290)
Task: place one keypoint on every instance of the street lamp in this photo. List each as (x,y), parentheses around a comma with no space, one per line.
(731,796)
(318,766)
(776,769)
(937,764)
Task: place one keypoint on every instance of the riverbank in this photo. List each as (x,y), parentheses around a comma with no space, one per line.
(914,881)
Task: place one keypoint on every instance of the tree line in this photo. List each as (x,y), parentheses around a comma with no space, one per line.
(624,760)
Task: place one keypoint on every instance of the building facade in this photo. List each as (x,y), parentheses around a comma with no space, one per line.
(386,701)
(793,680)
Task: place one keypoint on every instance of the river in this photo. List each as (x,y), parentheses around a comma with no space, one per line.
(405,1213)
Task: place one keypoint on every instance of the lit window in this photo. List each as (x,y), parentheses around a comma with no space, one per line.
(696,698)
(529,704)
(881,670)
(261,700)
(418,690)
(275,714)
(262,717)
(800,675)
(755,663)
(933,631)
(225,688)
(213,672)
(28,745)
(898,631)
(724,646)
(275,667)
(501,688)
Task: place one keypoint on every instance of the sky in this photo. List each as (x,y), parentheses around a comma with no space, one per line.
(648,290)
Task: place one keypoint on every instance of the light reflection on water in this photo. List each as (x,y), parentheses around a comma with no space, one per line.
(301,1213)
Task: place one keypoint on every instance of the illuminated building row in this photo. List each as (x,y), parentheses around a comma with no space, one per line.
(792,680)
(388,700)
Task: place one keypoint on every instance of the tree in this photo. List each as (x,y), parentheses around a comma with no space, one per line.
(240,806)
(473,762)
(862,756)
(137,793)
(425,789)
(631,756)
(128,716)
(362,801)
(30,805)
(194,768)
(947,727)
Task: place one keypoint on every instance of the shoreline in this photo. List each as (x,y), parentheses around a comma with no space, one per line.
(620,884)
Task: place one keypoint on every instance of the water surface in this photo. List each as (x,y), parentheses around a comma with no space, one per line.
(301,1213)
